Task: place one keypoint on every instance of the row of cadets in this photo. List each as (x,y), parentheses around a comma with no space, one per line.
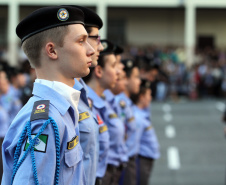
(126,114)
(42,144)
(88,126)
(148,150)
(10,105)
(117,155)
(102,77)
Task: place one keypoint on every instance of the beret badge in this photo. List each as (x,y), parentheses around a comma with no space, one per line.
(105,45)
(62,14)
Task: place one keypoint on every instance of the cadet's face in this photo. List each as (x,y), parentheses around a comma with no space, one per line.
(3,83)
(151,76)
(76,53)
(120,84)
(97,46)
(134,81)
(109,76)
(147,98)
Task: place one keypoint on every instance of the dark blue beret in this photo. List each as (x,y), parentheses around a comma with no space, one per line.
(118,50)
(128,64)
(91,18)
(109,47)
(145,83)
(47,18)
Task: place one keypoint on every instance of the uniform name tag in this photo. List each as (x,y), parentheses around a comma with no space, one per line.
(131,119)
(103,129)
(83,116)
(112,116)
(40,143)
(40,110)
(71,144)
(149,128)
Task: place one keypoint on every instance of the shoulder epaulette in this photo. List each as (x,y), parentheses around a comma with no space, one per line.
(40,110)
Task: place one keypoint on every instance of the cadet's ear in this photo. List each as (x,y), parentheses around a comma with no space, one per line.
(98,71)
(50,50)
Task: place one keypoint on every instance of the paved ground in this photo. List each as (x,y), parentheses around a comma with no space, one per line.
(193,146)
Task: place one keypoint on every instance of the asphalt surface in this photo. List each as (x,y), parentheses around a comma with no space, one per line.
(193,145)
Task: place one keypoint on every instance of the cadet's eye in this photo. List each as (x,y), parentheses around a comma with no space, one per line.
(81,41)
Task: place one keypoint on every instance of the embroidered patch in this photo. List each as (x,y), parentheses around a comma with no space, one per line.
(103,129)
(40,143)
(83,116)
(90,103)
(62,14)
(131,119)
(149,128)
(40,110)
(111,116)
(122,104)
(100,121)
(71,144)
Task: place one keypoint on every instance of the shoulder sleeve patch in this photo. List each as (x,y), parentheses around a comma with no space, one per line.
(40,110)
(103,129)
(149,128)
(122,104)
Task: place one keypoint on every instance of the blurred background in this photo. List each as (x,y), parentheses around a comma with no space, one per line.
(188,39)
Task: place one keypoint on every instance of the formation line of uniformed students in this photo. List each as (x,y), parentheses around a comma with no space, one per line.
(88,121)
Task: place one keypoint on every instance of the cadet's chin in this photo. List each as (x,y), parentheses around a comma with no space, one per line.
(94,64)
(85,73)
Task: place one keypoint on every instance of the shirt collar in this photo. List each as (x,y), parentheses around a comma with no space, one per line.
(126,98)
(47,93)
(109,95)
(98,102)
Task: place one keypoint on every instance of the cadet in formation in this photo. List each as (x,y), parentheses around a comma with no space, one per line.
(102,77)
(126,113)
(117,155)
(45,131)
(88,126)
(148,148)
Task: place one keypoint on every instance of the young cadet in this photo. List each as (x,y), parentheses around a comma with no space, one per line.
(42,144)
(148,143)
(103,76)
(88,127)
(127,115)
(117,155)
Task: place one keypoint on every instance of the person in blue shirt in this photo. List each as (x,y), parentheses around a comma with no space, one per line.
(117,156)
(148,142)
(88,126)
(103,76)
(127,115)
(42,144)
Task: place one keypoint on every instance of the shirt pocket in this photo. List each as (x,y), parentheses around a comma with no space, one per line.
(84,126)
(73,156)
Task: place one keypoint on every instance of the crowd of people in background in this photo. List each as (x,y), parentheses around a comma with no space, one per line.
(206,78)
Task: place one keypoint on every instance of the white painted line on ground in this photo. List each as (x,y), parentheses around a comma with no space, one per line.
(173,158)
(220,106)
(170,131)
(166,108)
(168,117)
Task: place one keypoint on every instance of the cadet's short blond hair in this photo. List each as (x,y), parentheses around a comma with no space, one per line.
(33,45)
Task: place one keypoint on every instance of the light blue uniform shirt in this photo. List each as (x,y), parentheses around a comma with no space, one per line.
(71,164)
(10,103)
(4,122)
(89,131)
(147,139)
(99,110)
(126,113)
(116,128)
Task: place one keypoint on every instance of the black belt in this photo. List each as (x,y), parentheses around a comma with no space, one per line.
(133,157)
(147,158)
